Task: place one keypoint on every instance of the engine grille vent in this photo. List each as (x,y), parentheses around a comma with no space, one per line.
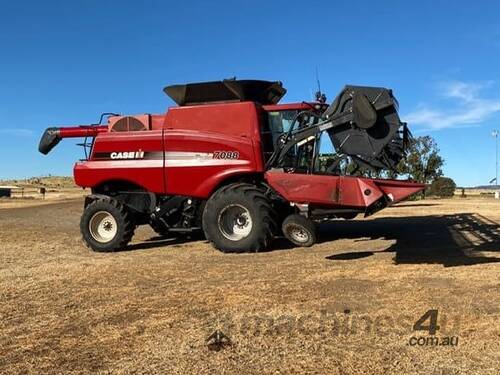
(129,123)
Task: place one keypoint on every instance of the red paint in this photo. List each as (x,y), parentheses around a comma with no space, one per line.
(94,172)
(178,157)
(237,119)
(197,178)
(82,131)
(302,106)
(336,191)
(399,189)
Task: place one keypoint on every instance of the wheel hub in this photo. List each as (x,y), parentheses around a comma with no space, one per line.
(103,227)
(235,222)
(299,234)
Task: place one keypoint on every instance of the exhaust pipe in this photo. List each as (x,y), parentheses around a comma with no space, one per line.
(52,136)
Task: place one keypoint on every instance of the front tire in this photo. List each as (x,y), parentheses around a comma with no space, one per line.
(299,230)
(106,225)
(239,218)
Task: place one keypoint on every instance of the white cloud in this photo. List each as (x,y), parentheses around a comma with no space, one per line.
(469,108)
(20,132)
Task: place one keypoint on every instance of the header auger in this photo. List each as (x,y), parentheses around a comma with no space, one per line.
(231,161)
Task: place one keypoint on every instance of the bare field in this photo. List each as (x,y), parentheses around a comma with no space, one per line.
(345,306)
(27,191)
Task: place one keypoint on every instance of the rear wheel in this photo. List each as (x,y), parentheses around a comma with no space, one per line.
(106,225)
(239,218)
(299,230)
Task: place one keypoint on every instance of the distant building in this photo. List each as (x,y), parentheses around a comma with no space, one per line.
(6,191)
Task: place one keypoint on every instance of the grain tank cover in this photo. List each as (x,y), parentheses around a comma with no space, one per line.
(228,90)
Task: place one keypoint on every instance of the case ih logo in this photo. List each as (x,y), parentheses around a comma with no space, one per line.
(127,155)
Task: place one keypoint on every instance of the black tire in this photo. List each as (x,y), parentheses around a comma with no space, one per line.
(299,230)
(256,217)
(97,212)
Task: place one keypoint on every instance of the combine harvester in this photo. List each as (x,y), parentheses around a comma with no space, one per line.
(231,161)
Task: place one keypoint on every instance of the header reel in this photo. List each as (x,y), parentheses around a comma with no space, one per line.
(362,123)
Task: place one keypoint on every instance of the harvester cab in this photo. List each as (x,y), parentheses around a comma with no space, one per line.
(231,160)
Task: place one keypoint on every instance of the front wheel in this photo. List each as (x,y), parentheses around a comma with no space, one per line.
(106,225)
(299,230)
(239,218)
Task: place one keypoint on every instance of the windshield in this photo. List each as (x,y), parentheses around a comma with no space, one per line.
(280,122)
(316,155)
(276,123)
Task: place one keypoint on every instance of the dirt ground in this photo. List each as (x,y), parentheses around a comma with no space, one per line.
(347,305)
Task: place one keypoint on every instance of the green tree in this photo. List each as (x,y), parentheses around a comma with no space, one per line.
(423,162)
(443,187)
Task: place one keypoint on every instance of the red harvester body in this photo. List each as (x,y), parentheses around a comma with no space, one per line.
(168,170)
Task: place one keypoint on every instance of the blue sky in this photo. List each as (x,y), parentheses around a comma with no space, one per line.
(65,62)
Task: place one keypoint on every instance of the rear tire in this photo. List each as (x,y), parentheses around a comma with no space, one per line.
(106,225)
(299,230)
(239,218)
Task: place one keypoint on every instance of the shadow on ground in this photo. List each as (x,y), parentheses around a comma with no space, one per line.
(450,240)
(158,241)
